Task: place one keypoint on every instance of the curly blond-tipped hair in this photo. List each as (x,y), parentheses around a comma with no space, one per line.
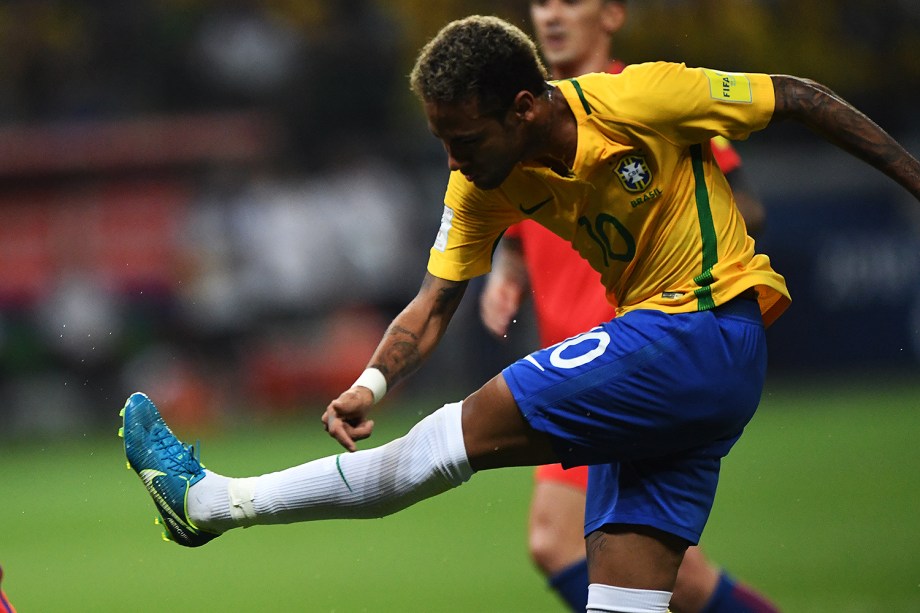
(478,57)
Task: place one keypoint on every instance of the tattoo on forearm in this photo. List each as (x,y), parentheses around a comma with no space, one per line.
(449,298)
(404,348)
(792,96)
(397,330)
(402,354)
(842,124)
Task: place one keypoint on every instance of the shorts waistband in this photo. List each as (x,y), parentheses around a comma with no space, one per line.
(744,304)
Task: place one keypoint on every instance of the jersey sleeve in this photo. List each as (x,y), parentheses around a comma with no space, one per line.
(692,105)
(472,223)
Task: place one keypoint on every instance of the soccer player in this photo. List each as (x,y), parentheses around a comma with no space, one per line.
(575,37)
(652,399)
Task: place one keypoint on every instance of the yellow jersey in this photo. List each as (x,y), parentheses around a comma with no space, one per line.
(644,202)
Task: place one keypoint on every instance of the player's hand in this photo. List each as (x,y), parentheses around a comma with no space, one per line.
(498,304)
(345,419)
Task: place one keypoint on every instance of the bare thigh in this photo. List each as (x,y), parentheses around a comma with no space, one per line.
(631,556)
(495,433)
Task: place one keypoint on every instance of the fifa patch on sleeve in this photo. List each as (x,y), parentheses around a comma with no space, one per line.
(447,219)
(729,86)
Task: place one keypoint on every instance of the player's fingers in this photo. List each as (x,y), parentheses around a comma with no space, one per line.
(362,430)
(328,418)
(337,429)
(355,431)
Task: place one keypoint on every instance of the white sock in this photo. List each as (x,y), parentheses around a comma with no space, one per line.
(207,505)
(603,598)
(427,461)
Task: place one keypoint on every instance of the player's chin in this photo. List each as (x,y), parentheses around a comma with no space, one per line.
(485,183)
(488,181)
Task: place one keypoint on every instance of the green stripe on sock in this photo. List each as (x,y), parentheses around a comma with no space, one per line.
(338,466)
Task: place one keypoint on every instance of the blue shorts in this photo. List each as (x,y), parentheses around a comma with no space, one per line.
(652,402)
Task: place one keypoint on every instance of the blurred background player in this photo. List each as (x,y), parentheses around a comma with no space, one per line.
(5,605)
(575,37)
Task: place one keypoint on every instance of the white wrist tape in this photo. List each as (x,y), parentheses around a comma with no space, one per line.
(373,380)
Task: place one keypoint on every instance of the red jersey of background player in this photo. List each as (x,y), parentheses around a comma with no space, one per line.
(568,297)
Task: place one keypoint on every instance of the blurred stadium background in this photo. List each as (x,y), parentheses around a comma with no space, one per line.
(224,203)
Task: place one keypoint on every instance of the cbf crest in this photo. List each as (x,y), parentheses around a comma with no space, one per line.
(634,173)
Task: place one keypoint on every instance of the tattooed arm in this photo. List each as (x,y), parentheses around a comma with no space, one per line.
(417,330)
(410,338)
(839,122)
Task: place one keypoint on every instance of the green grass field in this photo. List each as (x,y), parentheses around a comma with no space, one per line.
(818,506)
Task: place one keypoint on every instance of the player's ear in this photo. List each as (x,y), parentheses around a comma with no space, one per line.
(613,16)
(523,105)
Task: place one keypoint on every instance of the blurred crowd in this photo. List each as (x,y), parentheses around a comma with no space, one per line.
(223,203)
(318,62)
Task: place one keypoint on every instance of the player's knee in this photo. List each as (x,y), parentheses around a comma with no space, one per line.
(543,547)
(554,548)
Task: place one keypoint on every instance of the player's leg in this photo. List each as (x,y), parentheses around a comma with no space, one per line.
(632,566)
(497,434)
(440,452)
(557,547)
(641,516)
(556,531)
(639,532)
(645,510)
(644,566)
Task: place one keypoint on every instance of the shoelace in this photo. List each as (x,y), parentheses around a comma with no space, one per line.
(178,456)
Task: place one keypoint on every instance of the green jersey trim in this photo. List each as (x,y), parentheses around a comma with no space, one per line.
(581,96)
(707,232)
